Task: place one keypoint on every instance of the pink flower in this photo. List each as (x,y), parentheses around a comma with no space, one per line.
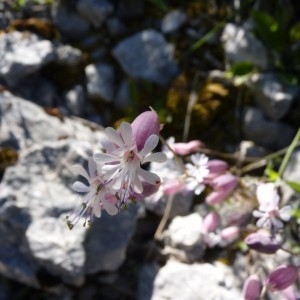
(98,194)
(269,214)
(122,160)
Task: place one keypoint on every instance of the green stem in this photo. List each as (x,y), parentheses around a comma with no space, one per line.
(288,153)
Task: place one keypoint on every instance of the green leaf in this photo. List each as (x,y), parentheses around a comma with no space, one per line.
(295,32)
(294,185)
(242,68)
(272,174)
(269,30)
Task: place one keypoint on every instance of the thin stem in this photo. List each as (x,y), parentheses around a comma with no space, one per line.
(263,160)
(164,220)
(289,153)
(192,101)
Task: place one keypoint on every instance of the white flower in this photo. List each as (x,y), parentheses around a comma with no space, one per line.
(97,194)
(196,173)
(269,214)
(122,161)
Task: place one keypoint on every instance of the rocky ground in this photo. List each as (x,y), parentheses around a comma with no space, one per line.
(69,68)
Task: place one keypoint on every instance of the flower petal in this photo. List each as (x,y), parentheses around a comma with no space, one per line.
(150,144)
(126,133)
(110,207)
(149,177)
(105,158)
(92,168)
(80,187)
(78,169)
(97,209)
(114,136)
(158,157)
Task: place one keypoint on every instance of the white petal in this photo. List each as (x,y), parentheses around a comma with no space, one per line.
(114,136)
(150,177)
(80,187)
(150,144)
(107,144)
(137,185)
(78,169)
(263,222)
(158,157)
(285,213)
(277,223)
(92,168)
(97,209)
(109,207)
(126,133)
(105,158)
(258,214)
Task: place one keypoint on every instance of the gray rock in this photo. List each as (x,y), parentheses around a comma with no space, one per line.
(146,279)
(172,21)
(36,196)
(184,236)
(272,94)
(146,55)
(115,26)
(100,81)
(69,22)
(195,282)
(240,45)
(122,98)
(95,11)
(68,55)
(75,100)
(21,55)
(270,134)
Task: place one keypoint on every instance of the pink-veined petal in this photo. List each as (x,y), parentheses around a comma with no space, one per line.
(114,136)
(126,133)
(155,157)
(78,169)
(110,207)
(80,187)
(150,144)
(149,177)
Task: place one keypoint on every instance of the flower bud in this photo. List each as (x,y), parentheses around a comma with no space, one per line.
(263,242)
(211,221)
(215,197)
(186,148)
(143,126)
(217,166)
(226,182)
(252,288)
(281,278)
(230,234)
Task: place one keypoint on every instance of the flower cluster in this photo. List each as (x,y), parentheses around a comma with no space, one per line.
(116,175)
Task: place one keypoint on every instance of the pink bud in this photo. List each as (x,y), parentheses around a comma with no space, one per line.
(211,221)
(263,242)
(172,187)
(229,234)
(215,197)
(252,288)
(226,182)
(186,148)
(143,126)
(217,166)
(148,190)
(282,277)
